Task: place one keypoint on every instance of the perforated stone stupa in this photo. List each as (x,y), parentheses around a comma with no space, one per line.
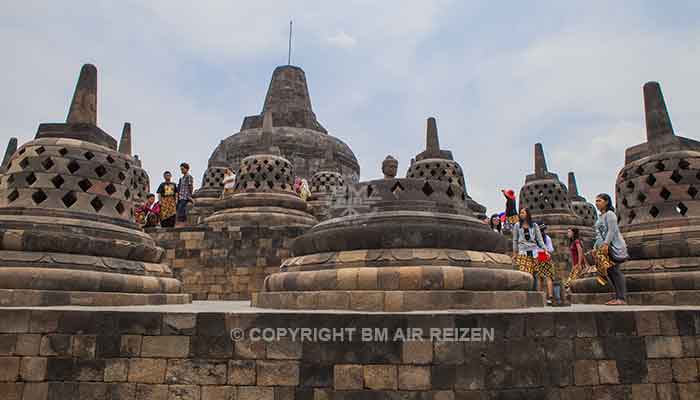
(399,244)
(658,207)
(550,203)
(9,151)
(264,192)
(297,133)
(436,164)
(581,207)
(67,231)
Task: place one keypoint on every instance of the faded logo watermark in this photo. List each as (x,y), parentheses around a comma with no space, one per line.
(353,200)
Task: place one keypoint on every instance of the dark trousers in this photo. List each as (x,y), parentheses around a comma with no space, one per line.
(617,280)
(535,278)
(181,209)
(168,222)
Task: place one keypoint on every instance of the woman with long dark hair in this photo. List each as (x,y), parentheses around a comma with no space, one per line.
(495,223)
(609,241)
(545,268)
(527,243)
(577,259)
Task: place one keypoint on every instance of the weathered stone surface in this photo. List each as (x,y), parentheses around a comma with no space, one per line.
(242,372)
(380,377)
(196,372)
(84,346)
(348,377)
(56,345)
(278,373)
(165,346)
(586,373)
(219,393)
(33,369)
(255,393)
(116,370)
(147,370)
(417,352)
(414,378)
(28,344)
(664,346)
(607,371)
(184,392)
(9,368)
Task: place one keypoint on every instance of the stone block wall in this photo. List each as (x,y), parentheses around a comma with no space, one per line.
(67,355)
(226,264)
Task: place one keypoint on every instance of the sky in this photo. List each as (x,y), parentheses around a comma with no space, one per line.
(498,76)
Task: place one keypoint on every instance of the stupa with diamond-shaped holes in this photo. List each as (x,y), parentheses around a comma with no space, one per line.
(550,203)
(401,244)
(67,230)
(658,209)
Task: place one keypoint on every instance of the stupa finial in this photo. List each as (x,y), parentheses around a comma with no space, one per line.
(83,108)
(432,144)
(267,133)
(657,119)
(573,188)
(11,149)
(540,161)
(125,142)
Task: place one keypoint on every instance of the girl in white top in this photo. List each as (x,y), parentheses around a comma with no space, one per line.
(229,182)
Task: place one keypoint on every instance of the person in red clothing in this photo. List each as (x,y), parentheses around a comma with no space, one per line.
(148,215)
(511,209)
(577,259)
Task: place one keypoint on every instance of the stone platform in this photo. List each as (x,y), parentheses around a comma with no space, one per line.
(187,352)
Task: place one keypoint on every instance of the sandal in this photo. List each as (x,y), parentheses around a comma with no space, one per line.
(611,302)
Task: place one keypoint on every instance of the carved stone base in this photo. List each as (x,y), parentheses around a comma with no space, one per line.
(42,298)
(659,298)
(397,300)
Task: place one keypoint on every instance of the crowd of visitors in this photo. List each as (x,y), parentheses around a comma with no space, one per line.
(171,208)
(173,199)
(533,248)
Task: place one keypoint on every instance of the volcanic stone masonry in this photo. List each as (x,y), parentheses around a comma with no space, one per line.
(549,202)
(9,151)
(300,137)
(67,230)
(69,355)
(581,207)
(659,214)
(401,244)
(229,254)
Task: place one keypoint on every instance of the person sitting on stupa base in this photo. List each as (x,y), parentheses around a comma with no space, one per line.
(148,215)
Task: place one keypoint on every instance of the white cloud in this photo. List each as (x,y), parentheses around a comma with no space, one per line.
(342,40)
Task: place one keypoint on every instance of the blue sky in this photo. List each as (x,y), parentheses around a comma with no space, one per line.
(498,76)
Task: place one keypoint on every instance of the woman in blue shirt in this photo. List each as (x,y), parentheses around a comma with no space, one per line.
(609,239)
(527,243)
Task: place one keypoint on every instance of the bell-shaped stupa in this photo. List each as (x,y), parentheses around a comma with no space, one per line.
(581,207)
(550,204)
(301,139)
(67,230)
(658,209)
(400,244)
